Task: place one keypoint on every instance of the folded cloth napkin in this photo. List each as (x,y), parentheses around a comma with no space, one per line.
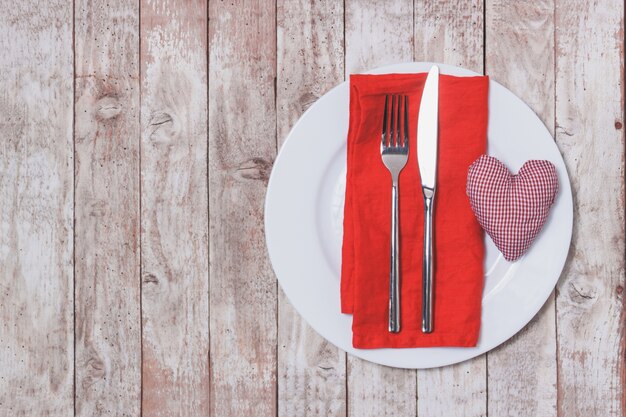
(459,248)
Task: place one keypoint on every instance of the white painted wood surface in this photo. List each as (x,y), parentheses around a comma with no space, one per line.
(137,140)
(174,209)
(36,210)
(106,228)
(450,32)
(242,147)
(590,133)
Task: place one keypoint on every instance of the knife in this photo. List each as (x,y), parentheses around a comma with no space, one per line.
(427,136)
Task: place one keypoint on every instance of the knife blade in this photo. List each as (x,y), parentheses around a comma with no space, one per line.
(427,129)
(427,138)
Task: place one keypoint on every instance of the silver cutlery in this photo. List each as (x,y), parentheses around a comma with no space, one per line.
(427,135)
(394,150)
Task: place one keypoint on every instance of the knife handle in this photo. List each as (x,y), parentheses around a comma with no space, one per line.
(427,262)
(394,269)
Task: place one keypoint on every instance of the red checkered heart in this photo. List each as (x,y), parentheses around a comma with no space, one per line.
(512,209)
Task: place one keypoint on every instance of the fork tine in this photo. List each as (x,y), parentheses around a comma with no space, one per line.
(383,136)
(399,122)
(392,130)
(406,122)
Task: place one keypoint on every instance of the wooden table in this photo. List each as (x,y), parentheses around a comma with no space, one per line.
(137,141)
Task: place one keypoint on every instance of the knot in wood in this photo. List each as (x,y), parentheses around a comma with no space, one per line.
(108,107)
(160,118)
(254,169)
(581,293)
(307,99)
(150,278)
(94,369)
(97,207)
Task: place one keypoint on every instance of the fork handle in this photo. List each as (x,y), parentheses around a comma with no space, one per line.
(394,273)
(427,262)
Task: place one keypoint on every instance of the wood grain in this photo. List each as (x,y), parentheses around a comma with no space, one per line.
(377,34)
(36,159)
(590,134)
(456,390)
(106,136)
(242,147)
(451,33)
(376,390)
(174,208)
(311,371)
(124,209)
(520,55)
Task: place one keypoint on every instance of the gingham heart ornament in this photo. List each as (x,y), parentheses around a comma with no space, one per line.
(511,208)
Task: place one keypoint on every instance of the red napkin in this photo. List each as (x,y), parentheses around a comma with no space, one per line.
(459,248)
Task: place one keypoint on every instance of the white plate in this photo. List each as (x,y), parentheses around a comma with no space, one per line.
(304,215)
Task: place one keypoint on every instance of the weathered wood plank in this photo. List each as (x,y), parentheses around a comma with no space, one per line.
(36,159)
(522,372)
(242,146)
(311,371)
(520,55)
(376,34)
(108,331)
(451,33)
(590,133)
(376,390)
(174,208)
(455,390)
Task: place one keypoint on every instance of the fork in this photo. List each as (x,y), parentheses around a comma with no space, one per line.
(394,150)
